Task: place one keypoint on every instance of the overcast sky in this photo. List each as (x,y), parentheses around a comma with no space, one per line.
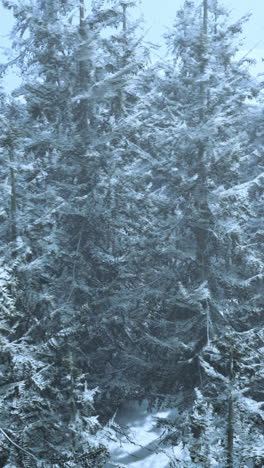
(160,14)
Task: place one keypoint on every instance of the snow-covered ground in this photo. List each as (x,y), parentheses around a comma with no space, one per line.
(139,447)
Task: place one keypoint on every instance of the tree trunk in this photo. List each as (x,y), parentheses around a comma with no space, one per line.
(83,111)
(205,17)
(201,193)
(230,428)
(13,198)
(119,101)
(124,17)
(204,215)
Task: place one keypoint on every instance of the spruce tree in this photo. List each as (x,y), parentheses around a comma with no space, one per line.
(44,352)
(76,98)
(224,427)
(197,267)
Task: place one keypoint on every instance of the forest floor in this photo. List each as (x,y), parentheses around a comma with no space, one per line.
(139,445)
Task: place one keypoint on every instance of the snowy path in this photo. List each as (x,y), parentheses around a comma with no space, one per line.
(144,452)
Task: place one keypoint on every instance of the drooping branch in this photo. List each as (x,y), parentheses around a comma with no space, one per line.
(18,446)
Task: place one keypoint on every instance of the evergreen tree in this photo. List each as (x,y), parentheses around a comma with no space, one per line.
(195,262)
(44,351)
(225,425)
(75,98)
(232,382)
(106,249)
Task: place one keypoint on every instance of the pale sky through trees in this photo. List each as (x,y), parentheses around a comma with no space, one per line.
(159,16)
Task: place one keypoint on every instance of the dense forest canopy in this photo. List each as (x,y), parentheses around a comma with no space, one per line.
(131,236)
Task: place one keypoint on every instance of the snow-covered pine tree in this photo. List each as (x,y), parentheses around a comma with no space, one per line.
(124,59)
(93,218)
(225,425)
(74,135)
(44,352)
(231,379)
(197,264)
(204,434)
